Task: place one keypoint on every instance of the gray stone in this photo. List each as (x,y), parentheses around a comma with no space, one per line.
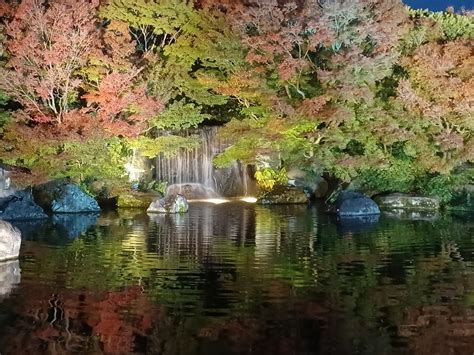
(408,202)
(284,195)
(350,204)
(10,241)
(170,204)
(71,199)
(10,276)
(61,196)
(192,191)
(411,215)
(20,205)
(315,188)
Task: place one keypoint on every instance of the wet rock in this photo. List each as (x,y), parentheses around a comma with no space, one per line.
(350,204)
(408,202)
(235,180)
(169,204)
(410,215)
(10,241)
(135,200)
(315,187)
(71,199)
(192,191)
(284,195)
(10,276)
(20,205)
(61,196)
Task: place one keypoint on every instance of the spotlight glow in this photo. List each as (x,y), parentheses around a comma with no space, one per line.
(216,201)
(249,199)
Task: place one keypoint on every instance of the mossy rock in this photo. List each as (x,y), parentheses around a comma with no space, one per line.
(407,202)
(284,195)
(135,200)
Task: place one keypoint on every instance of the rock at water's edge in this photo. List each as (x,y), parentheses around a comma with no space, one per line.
(10,241)
(350,204)
(404,201)
(135,200)
(20,205)
(169,204)
(284,195)
(60,196)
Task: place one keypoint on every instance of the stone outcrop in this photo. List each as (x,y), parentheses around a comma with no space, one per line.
(284,195)
(408,202)
(170,204)
(192,191)
(316,187)
(353,204)
(10,241)
(20,205)
(60,196)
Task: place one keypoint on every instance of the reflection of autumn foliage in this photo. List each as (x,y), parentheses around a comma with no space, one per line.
(92,323)
(438,330)
(116,331)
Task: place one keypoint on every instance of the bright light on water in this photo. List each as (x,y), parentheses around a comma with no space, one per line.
(249,199)
(216,201)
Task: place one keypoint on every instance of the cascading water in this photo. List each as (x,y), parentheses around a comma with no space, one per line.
(191,172)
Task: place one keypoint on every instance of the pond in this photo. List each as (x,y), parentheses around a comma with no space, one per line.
(238,278)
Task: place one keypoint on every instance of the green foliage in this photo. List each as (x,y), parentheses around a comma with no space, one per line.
(451,25)
(159,186)
(180,115)
(268,179)
(168,145)
(400,176)
(99,159)
(446,186)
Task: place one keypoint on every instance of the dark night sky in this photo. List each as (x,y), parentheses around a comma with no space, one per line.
(438,5)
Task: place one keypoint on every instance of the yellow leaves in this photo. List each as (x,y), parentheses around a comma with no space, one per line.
(268,179)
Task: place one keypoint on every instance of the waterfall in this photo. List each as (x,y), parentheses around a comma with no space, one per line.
(191,172)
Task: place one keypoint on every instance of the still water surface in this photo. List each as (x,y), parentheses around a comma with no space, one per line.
(238,278)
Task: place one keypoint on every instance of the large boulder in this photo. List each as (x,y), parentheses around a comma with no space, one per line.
(352,204)
(408,202)
(10,241)
(284,195)
(20,205)
(169,204)
(70,198)
(60,196)
(10,276)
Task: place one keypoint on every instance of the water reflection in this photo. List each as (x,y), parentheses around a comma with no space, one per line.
(73,225)
(10,276)
(356,224)
(239,278)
